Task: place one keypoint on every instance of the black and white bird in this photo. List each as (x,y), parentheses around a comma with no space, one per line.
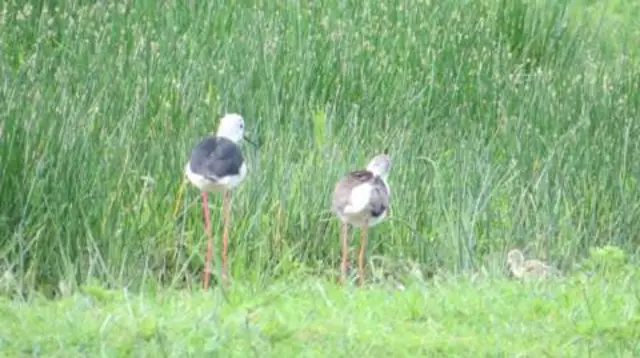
(217,165)
(362,199)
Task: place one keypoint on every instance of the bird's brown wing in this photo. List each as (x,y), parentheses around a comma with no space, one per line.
(538,268)
(379,201)
(342,191)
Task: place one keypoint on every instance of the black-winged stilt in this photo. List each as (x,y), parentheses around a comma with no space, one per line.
(362,199)
(217,165)
(528,269)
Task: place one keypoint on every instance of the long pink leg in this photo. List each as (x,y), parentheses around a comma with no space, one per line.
(363,244)
(225,236)
(345,249)
(207,224)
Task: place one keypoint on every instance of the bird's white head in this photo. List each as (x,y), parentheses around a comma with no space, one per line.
(231,127)
(380,165)
(515,258)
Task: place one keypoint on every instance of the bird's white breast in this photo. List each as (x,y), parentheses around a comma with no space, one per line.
(218,185)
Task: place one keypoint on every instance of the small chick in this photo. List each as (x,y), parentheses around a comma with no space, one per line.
(528,269)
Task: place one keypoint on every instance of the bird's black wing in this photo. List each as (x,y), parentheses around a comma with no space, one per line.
(215,158)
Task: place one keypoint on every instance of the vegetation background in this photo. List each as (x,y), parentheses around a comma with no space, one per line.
(510,123)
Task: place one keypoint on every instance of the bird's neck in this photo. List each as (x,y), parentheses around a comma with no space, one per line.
(232,138)
(517,270)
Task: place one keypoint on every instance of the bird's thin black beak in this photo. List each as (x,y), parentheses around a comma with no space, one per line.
(250,141)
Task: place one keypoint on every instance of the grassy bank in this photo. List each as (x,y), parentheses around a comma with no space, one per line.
(461,317)
(510,123)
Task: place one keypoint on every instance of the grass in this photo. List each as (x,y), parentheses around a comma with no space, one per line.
(510,124)
(574,317)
